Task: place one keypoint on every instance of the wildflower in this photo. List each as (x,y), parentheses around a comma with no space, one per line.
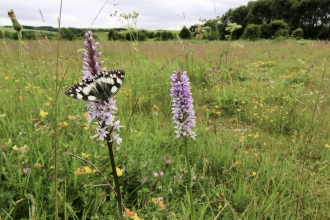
(78,172)
(88,170)
(166,161)
(162,205)
(85,155)
(85,114)
(119,172)
(183,112)
(26,170)
(71,117)
(43,114)
(14,21)
(254,173)
(131,214)
(90,60)
(159,201)
(20,149)
(102,111)
(155,110)
(3,147)
(38,165)
(327,145)
(63,124)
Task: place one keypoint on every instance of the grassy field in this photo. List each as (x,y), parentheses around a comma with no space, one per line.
(262,149)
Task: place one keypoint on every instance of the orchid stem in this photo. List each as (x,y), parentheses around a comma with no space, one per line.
(192,210)
(113,166)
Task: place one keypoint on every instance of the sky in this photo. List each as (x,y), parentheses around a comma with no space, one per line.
(153,14)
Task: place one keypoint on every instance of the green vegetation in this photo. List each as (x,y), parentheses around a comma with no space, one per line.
(262,149)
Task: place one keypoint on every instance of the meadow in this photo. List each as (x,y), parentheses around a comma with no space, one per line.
(262,149)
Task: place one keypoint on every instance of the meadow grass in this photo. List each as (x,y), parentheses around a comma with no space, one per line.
(262,149)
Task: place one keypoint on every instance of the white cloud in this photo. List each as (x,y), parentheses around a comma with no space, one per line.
(153,14)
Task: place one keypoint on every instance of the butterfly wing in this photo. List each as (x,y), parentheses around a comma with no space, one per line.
(104,86)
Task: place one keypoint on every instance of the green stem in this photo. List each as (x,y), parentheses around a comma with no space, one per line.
(19,34)
(113,166)
(192,210)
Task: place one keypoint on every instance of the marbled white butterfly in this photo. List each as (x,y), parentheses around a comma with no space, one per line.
(105,85)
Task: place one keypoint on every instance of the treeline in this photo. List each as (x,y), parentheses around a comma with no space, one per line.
(140,35)
(310,16)
(34,33)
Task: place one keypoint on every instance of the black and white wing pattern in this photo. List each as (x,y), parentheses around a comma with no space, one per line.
(105,85)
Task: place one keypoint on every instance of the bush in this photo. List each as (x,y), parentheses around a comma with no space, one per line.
(67,34)
(252,32)
(298,34)
(135,36)
(324,33)
(282,33)
(184,33)
(7,35)
(266,32)
(113,35)
(279,28)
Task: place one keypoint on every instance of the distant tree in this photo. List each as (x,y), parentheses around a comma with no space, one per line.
(184,33)
(113,35)
(324,33)
(150,34)
(67,34)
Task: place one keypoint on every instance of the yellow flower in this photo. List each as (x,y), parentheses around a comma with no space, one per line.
(6,77)
(43,114)
(47,104)
(327,145)
(86,115)
(38,165)
(71,117)
(85,155)
(237,162)
(254,173)
(20,97)
(78,172)
(242,138)
(154,200)
(88,170)
(161,205)
(129,213)
(63,124)
(119,172)
(155,108)
(50,98)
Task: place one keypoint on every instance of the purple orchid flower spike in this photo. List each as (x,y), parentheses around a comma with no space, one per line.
(182,105)
(104,112)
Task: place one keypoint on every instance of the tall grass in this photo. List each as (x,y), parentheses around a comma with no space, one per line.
(262,150)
